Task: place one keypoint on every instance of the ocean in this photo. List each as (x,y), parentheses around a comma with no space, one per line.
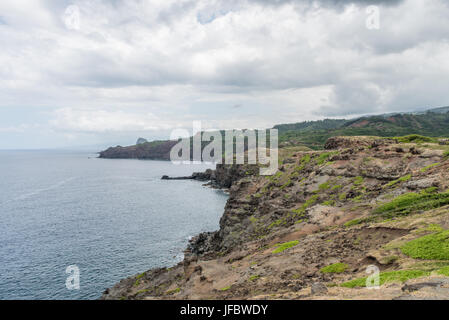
(110,218)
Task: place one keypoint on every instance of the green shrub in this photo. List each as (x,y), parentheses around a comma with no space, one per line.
(431,247)
(335,268)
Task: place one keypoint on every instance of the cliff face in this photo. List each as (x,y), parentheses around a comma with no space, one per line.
(311,230)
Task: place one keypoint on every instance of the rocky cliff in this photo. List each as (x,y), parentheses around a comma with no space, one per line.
(311,230)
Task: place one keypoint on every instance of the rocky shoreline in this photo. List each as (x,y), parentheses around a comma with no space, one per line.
(311,230)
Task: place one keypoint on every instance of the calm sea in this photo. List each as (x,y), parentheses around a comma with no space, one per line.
(111,218)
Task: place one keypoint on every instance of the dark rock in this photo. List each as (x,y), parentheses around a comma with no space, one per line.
(318,288)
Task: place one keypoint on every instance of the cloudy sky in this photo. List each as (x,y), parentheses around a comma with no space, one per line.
(79,73)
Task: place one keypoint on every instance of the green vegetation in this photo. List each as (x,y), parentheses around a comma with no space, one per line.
(353,223)
(415,138)
(276,223)
(280,247)
(444,271)
(254,277)
(429,167)
(413,202)
(225,288)
(311,201)
(169,292)
(335,268)
(324,186)
(431,247)
(417,128)
(322,158)
(358,181)
(402,179)
(385,277)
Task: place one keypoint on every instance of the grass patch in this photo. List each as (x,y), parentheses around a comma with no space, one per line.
(391,276)
(415,138)
(225,288)
(431,247)
(402,179)
(444,271)
(429,167)
(280,247)
(413,202)
(353,223)
(335,268)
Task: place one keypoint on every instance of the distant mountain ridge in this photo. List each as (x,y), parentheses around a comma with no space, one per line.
(313,134)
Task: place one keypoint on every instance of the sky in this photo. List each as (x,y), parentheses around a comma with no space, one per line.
(98,73)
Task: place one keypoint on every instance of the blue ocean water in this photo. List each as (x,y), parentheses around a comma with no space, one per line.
(111,218)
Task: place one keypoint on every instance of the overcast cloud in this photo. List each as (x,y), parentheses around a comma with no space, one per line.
(140,68)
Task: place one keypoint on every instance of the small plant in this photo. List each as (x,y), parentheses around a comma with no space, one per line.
(335,268)
(254,277)
(280,247)
(225,288)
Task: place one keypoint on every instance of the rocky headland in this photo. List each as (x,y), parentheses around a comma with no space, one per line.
(311,230)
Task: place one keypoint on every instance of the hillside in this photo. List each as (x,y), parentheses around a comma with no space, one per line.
(313,134)
(311,230)
(433,123)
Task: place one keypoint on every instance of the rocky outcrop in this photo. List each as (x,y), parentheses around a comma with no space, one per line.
(320,221)
(141,141)
(156,150)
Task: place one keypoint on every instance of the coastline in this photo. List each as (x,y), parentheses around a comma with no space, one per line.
(312,230)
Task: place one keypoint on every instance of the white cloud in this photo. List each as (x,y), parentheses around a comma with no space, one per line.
(151,65)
